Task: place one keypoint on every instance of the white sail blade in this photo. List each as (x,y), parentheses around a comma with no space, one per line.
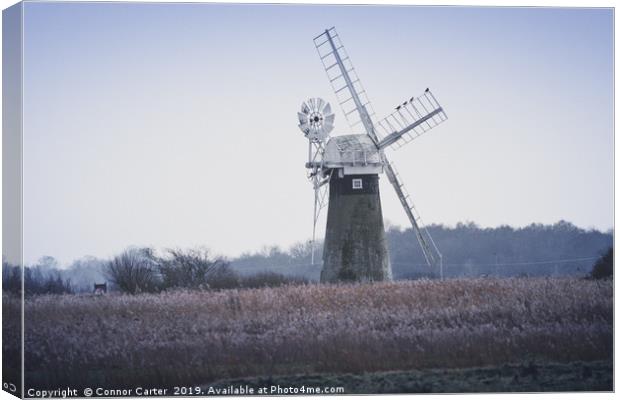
(345,82)
(410,120)
(329,119)
(429,249)
(303,118)
(305,108)
(320,104)
(328,109)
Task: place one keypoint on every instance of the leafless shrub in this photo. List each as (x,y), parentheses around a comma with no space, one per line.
(134,271)
(194,268)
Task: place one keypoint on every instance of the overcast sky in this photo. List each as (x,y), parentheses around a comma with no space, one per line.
(174,125)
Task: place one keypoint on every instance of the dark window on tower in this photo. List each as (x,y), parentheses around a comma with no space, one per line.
(357,183)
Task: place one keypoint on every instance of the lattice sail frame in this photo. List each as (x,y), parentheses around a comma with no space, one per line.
(337,79)
(411,119)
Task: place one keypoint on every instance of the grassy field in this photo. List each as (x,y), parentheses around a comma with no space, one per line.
(414,336)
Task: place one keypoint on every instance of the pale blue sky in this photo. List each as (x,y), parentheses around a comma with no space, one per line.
(175,124)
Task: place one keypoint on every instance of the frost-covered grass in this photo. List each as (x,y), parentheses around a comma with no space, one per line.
(189,338)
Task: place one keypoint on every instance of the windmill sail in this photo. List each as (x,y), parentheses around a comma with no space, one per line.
(346,84)
(410,120)
(429,249)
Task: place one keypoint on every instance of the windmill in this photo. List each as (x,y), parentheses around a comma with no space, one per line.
(348,167)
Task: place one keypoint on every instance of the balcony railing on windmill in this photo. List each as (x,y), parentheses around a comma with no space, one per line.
(359,157)
(356,158)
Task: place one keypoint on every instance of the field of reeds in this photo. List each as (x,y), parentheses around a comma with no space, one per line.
(190,338)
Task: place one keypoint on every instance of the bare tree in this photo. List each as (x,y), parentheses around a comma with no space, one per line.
(193,268)
(134,271)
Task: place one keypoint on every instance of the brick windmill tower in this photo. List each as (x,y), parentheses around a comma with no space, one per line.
(348,167)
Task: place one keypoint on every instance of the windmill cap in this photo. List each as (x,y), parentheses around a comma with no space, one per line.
(351,150)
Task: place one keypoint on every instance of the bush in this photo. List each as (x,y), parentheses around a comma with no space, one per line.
(134,271)
(604,266)
(194,268)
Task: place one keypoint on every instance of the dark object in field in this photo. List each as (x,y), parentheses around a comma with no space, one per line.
(100,288)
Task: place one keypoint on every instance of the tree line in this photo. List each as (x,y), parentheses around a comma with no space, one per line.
(139,270)
(468,251)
